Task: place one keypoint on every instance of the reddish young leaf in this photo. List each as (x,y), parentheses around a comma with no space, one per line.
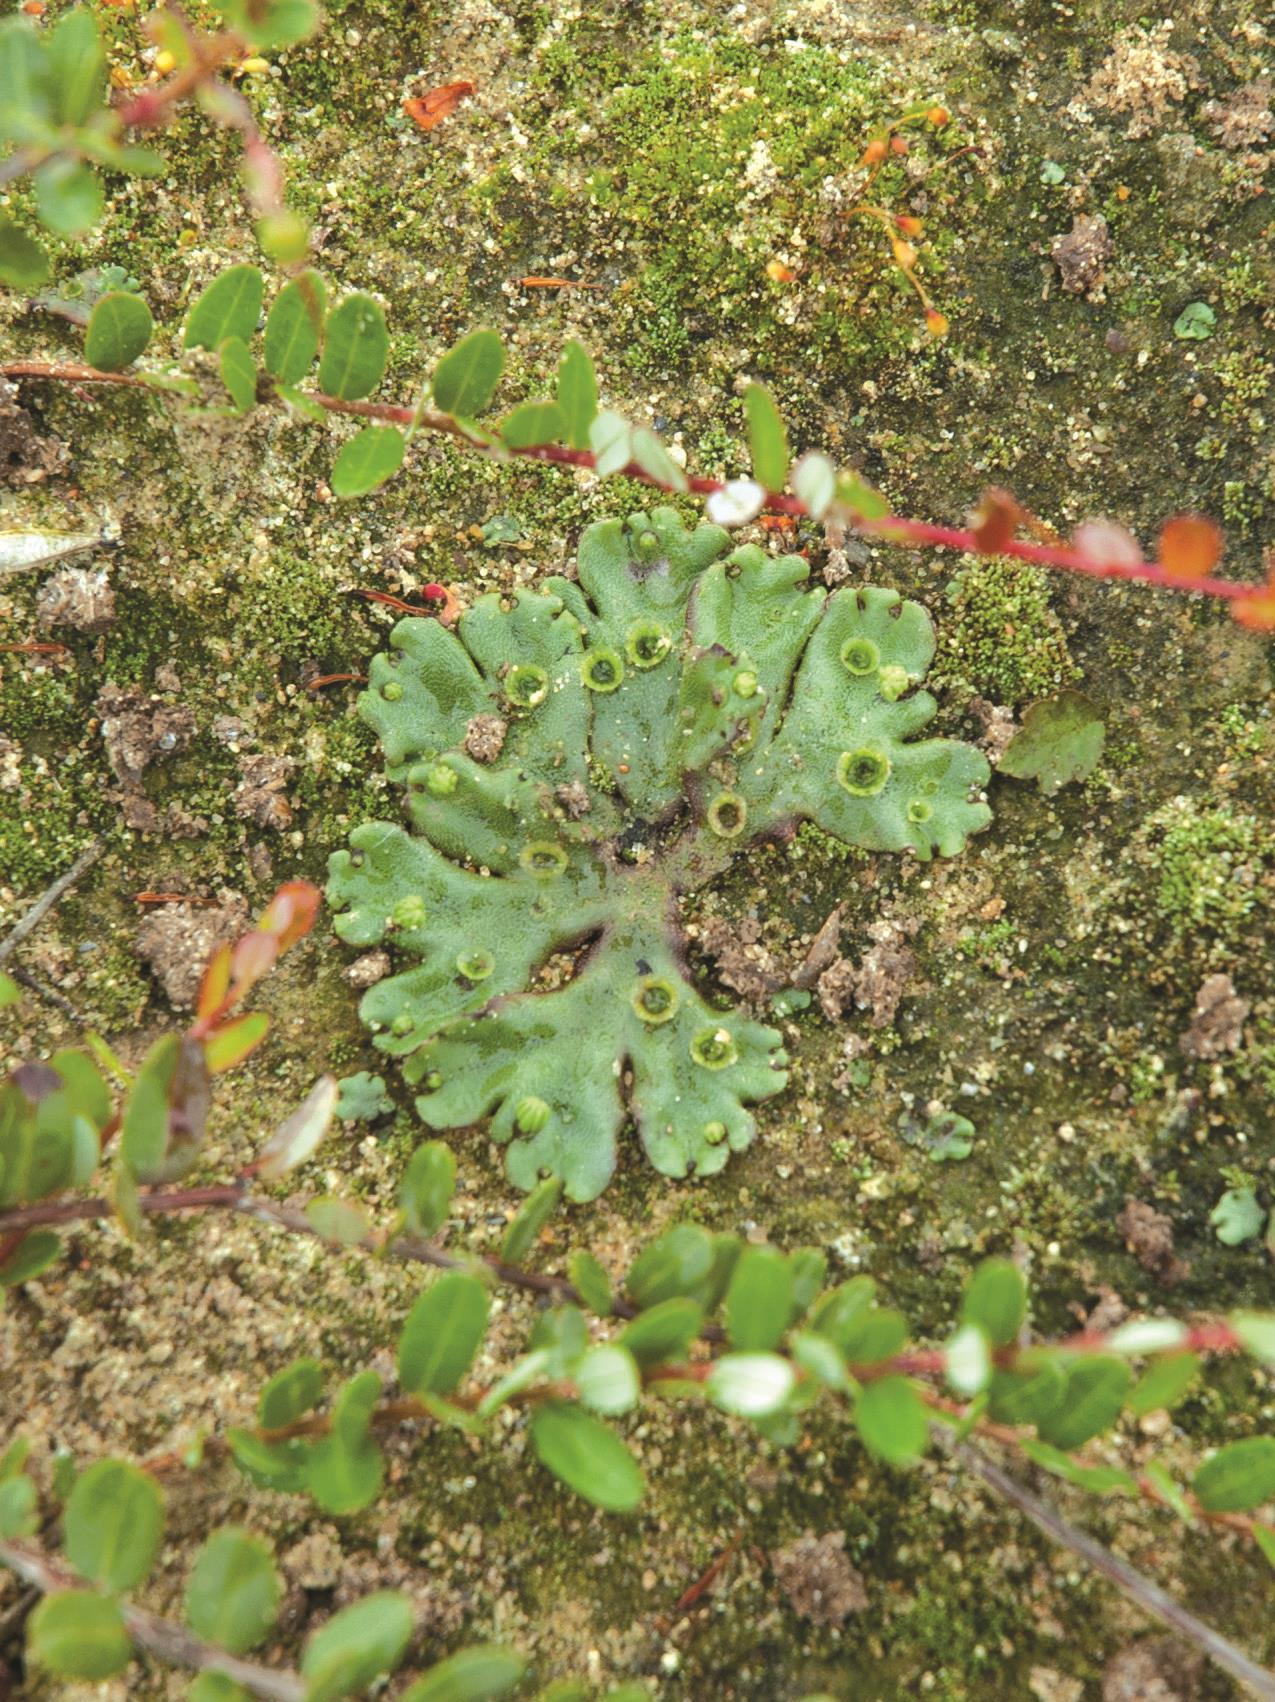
(1190,545)
(291,912)
(430,109)
(444,602)
(254,955)
(995,520)
(232,1044)
(215,984)
(1106,544)
(1257,611)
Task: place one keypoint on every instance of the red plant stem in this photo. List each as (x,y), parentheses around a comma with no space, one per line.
(922,532)
(894,528)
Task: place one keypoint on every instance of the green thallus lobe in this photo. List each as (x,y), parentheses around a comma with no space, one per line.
(673,703)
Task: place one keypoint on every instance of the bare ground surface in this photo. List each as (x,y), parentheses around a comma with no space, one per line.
(668,153)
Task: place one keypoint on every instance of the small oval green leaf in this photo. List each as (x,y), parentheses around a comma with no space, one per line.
(663,1332)
(891,1420)
(442,1334)
(608,1380)
(289,1394)
(996,1299)
(427,1188)
(356,1646)
(533,1214)
(465,379)
(335,1219)
(294,325)
(232,1597)
(119,329)
(587,1456)
(77,65)
(577,393)
(591,1282)
(480,1674)
(532,424)
(23,263)
(113,1523)
(750,1385)
(78,1635)
(68,196)
(758,1300)
(34,1253)
(229,307)
(368,460)
(238,373)
(344,1478)
(355,350)
(767,439)
(1238,1477)
(1096,1390)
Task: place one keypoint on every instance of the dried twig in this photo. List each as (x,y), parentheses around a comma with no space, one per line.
(44,991)
(172,1643)
(49,897)
(1143,1592)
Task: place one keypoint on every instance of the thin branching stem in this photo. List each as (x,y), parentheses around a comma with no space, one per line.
(1207,1336)
(893,528)
(161,1637)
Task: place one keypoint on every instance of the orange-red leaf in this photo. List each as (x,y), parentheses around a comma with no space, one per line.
(430,109)
(291,912)
(232,1044)
(1190,545)
(1257,611)
(215,984)
(996,519)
